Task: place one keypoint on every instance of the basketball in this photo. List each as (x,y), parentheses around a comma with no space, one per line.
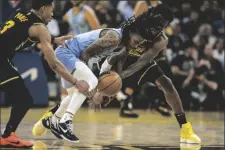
(109,83)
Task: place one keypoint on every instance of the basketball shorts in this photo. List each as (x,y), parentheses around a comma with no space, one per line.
(150,73)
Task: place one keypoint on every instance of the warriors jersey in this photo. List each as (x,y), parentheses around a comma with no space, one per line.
(14,35)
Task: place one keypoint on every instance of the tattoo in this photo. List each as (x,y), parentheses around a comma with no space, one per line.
(109,40)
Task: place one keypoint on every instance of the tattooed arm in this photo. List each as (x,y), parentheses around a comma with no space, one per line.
(147,57)
(110,40)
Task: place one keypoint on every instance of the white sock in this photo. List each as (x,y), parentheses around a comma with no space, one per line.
(75,103)
(62,108)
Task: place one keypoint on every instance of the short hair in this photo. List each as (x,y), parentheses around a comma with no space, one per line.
(37,4)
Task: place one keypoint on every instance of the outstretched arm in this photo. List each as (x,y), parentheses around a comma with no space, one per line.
(112,60)
(42,33)
(147,57)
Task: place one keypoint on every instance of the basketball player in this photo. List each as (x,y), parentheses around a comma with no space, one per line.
(21,30)
(81,18)
(127,100)
(137,68)
(95,45)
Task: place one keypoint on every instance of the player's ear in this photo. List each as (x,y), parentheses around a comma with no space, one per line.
(42,9)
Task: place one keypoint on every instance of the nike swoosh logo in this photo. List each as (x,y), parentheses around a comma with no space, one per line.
(63,129)
(18,142)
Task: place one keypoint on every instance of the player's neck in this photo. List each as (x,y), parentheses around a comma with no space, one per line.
(36,13)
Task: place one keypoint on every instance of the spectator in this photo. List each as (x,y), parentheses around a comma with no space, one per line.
(219,52)
(183,69)
(81,18)
(108,16)
(211,76)
(204,37)
(125,9)
(177,39)
(190,28)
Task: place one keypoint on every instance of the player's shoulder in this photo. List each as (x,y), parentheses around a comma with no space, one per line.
(88,9)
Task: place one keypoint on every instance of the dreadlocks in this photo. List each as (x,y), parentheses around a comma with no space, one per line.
(148,24)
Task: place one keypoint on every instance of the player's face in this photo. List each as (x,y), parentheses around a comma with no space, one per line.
(135,40)
(48,13)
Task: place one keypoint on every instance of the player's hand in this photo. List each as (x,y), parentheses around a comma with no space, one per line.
(82,86)
(61,40)
(160,42)
(97,98)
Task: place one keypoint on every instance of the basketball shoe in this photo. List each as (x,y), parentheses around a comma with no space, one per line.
(47,123)
(187,134)
(65,129)
(13,141)
(39,129)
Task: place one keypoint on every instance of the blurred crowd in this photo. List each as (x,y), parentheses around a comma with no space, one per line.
(195,51)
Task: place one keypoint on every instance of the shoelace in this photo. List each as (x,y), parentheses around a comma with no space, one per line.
(70,127)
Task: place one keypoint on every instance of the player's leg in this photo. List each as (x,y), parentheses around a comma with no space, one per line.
(64,125)
(13,84)
(173,99)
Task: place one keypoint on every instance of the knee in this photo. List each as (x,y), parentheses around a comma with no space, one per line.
(93,82)
(84,73)
(165,84)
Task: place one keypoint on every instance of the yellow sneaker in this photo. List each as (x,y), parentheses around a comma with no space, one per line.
(187,134)
(39,129)
(185,146)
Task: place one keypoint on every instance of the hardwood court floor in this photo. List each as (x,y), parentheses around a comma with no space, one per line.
(106,130)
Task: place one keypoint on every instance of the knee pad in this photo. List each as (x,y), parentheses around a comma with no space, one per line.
(82,72)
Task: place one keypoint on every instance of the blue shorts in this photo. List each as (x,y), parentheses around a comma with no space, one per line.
(66,57)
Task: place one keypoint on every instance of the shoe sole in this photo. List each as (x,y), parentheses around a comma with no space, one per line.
(70,140)
(189,142)
(11,146)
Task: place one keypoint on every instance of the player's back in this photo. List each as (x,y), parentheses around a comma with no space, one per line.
(14,34)
(82,41)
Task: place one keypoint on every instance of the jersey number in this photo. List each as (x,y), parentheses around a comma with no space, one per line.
(9,24)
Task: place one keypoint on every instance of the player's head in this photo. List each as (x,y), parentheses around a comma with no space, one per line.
(164,11)
(146,26)
(44,8)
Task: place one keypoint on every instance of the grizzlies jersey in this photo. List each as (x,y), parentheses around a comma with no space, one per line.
(14,34)
(77,22)
(82,41)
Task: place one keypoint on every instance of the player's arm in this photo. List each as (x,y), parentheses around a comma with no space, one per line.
(110,40)
(42,33)
(112,60)
(140,7)
(147,57)
(91,18)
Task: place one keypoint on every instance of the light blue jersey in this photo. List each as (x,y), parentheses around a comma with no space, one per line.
(69,55)
(77,22)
